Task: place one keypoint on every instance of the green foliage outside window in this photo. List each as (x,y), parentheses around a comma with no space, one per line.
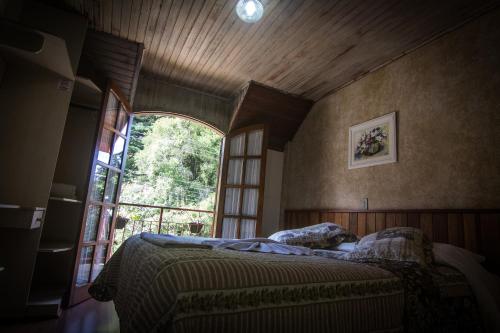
(170,162)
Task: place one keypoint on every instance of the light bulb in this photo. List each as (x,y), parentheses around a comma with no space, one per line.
(250,8)
(249,11)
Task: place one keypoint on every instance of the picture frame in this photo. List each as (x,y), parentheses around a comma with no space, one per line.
(373,142)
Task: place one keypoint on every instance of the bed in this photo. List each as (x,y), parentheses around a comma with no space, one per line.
(200,289)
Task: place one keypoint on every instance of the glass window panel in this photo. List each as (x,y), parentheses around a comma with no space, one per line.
(250,201)
(122,123)
(92,223)
(229,227)
(237,146)
(123,131)
(252,171)
(117,156)
(107,218)
(105,144)
(247,228)
(111,111)
(111,186)
(234,171)
(255,142)
(84,265)
(98,183)
(232,202)
(100,260)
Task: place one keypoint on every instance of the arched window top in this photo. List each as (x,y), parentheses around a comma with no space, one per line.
(166,113)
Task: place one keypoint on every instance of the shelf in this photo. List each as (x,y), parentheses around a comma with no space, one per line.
(55,247)
(37,47)
(14,216)
(45,303)
(65,199)
(10,206)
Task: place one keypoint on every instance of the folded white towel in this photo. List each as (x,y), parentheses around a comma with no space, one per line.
(165,240)
(263,245)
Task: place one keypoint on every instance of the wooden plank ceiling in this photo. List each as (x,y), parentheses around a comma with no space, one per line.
(308,48)
(107,56)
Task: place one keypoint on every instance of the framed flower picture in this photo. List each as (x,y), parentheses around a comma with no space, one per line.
(373,142)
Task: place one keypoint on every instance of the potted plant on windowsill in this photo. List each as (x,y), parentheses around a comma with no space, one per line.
(195,227)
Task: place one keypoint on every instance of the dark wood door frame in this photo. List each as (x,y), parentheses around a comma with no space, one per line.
(80,293)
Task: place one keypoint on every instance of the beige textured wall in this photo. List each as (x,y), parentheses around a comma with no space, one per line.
(447,95)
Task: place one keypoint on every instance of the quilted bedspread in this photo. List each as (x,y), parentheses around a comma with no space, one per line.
(158,289)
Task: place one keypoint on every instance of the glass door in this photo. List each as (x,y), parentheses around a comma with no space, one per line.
(239,213)
(108,164)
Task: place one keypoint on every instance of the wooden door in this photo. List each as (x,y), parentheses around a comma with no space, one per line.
(239,213)
(100,209)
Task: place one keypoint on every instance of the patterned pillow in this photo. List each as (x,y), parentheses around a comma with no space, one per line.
(319,236)
(400,243)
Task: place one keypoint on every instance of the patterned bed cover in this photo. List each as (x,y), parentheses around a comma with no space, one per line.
(159,289)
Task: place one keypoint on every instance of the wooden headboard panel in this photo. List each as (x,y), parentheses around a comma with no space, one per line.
(475,230)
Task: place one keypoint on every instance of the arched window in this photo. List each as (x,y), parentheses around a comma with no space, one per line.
(170,179)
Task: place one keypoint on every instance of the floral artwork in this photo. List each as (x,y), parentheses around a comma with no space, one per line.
(373,142)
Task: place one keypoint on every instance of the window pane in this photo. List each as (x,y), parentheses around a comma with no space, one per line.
(247,228)
(117,156)
(105,144)
(107,218)
(100,260)
(250,201)
(122,123)
(232,202)
(237,145)
(255,142)
(111,111)
(252,172)
(229,228)
(111,186)
(234,171)
(84,265)
(92,223)
(98,183)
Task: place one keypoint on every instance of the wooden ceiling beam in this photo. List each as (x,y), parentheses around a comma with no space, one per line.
(283,112)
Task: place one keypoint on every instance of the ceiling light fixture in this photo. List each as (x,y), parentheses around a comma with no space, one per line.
(249,11)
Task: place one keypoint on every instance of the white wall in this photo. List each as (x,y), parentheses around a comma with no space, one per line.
(272,192)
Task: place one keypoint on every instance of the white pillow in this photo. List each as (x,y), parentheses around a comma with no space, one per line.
(346,247)
(398,244)
(325,235)
(485,285)
(443,252)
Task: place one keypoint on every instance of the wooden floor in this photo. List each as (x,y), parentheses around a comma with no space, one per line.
(88,317)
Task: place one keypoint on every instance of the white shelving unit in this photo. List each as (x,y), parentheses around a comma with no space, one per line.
(55,247)
(46,303)
(69,200)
